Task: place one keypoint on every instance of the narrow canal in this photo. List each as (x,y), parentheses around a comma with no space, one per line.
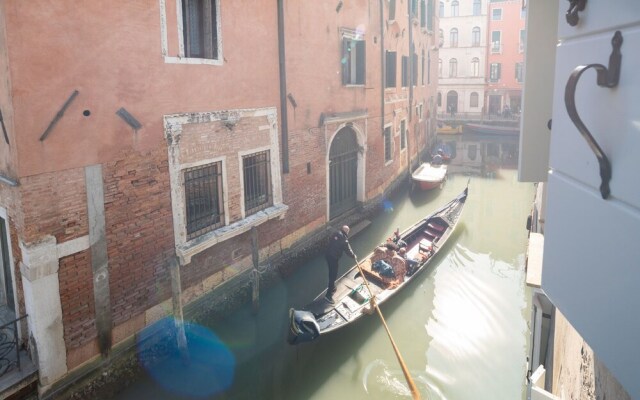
(462,326)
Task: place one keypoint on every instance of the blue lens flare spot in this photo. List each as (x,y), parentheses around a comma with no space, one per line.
(387,206)
(205,367)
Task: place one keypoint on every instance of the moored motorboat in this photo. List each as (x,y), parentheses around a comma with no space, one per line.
(428,175)
(386,273)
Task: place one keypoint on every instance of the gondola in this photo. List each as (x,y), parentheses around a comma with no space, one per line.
(386,273)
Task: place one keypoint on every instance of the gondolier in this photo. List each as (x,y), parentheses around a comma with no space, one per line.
(338,244)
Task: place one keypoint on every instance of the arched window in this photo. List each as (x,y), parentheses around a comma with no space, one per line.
(454,8)
(441,13)
(475,66)
(453,37)
(476,7)
(475,36)
(439,68)
(453,68)
(473,100)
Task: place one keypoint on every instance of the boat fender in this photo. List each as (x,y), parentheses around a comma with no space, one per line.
(303,327)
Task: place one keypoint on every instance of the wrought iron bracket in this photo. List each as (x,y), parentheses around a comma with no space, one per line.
(572,13)
(606,77)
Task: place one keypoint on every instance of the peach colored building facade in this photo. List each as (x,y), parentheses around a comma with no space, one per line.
(505,57)
(144,140)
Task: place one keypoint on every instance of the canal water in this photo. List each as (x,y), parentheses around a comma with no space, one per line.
(461,327)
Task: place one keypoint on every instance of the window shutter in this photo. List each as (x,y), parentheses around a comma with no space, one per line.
(346,61)
(360,62)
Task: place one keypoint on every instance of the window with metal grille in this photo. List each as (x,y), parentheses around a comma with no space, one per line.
(403,134)
(200,29)
(494,72)
(257,182)
(387,144)
(203,199)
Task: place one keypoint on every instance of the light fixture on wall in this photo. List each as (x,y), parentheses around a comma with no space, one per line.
(229,119)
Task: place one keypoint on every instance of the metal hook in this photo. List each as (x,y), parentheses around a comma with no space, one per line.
(572,12)
(606,77)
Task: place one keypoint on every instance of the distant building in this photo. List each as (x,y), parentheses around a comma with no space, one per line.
(505,57)
(141,142)
(462,59)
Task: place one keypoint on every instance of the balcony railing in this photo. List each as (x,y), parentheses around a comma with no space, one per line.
(10,346)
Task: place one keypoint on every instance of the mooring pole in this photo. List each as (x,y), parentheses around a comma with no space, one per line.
(255,274)
(176,297)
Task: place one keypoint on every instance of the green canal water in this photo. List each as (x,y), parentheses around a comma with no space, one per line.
(461,326)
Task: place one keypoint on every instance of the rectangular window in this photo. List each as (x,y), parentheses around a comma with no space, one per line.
(496,14)
(414,7)
(496,45)
(423,14)
(200,29)
(476,7)
(403,134)
(203,199)
(414,69)
(405,71)
(390,72)
(519,72)
(522,39)
(494,75)
(422,69)
(257,182)
(387,144)
(353,61)
(430,15)
(392,9)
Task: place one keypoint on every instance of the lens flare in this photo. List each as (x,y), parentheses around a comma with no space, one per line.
(387,205)
(204,368)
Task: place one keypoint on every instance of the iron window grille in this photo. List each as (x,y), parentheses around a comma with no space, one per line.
(257,182)
(203,199)
(387,144)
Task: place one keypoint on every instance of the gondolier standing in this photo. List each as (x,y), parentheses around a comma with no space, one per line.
(338,244)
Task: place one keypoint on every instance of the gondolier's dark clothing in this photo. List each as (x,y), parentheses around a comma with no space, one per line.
(338,244)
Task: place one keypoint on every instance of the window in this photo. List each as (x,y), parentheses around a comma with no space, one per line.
(453,68)
(257,182)
(522,39)
(475,67)
(453,37)
(523,12)
(454,8)
(388,153)
(441,40)
(429,12)
(203,199)
(405,71)
(494,75)
(414,7)
(353,61)
(390,73)
(422,69)
(392,9)
(441,11)
(403,134)
(428,68)
(496,14)
(423,14)
(519,72)
(477,5)
(473,100)
(496,46)
(475,36)
(439,68)
(439,99)
(414,69)
(200,29)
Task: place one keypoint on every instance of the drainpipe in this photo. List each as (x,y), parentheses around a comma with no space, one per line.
(383,69)
(283,89)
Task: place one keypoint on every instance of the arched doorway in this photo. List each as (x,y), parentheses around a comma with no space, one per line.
(452,102)
(343,172)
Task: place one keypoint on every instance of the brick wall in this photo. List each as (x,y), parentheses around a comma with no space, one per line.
(76,296)
(54,204)
(139,231)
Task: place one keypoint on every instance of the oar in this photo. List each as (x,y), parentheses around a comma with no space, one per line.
(405,371)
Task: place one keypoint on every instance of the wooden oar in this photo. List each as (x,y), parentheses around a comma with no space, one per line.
(405,371)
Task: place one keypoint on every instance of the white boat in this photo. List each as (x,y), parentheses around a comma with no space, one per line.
(429,176)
